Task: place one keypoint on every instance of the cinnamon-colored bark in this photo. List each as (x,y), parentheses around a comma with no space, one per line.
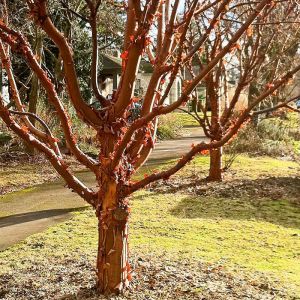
(113,269)
(215,165)
(124,144)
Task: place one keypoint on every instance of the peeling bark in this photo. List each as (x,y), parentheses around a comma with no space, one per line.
(113,269)
(215,170)
(124,143)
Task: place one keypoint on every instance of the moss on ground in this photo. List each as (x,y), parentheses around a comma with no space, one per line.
(244,166)
(22,174)
(244,234)
(234,231)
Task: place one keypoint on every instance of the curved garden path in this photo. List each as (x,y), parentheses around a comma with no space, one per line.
(34,209)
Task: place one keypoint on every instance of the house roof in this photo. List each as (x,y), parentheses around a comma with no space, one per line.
(146,66)
(113,64)
(110,64)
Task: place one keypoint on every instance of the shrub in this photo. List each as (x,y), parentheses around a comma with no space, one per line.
(9,142)
(83,134)
(5,138)
(272,137)
(169,127)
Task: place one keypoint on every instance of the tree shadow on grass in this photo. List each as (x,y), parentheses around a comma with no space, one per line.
(275,200)
(36,215)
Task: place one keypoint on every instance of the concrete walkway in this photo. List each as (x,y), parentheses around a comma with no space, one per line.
(171,149)
(35,209)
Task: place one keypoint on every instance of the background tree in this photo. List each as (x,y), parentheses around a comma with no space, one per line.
(279,43)
(256,61)
(124,144)
(71,19)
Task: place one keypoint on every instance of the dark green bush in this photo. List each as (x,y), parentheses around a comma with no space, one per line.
(5,138)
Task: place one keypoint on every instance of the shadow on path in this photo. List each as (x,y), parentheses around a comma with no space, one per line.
(50,203)
(35,215)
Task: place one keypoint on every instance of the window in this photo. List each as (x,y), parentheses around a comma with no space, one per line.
(178,89)
(138,84)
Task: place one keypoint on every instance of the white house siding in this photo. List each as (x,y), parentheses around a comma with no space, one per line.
(4,90)
(243,98)
(175,91)
(107,86)
(295,86)
(144,79)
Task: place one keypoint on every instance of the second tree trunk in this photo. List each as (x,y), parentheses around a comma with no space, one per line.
(215,170)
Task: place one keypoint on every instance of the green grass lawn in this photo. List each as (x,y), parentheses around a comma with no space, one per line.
(243,234)
(28,172)
(185,119)
(236,232)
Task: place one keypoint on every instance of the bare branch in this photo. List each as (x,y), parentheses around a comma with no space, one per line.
(56,161)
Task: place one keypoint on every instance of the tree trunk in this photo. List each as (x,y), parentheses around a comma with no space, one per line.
(35,86)
(252,94)
(215,170)
(113,270)
(1,81)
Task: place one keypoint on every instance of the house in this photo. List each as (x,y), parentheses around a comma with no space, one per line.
(111,72)
(225,91)
(110,77)
(295,87)
(4,87)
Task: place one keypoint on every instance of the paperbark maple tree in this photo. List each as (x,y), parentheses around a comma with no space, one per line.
(124,144)
(259,56)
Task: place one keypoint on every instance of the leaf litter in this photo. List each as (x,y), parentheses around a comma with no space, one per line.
(153,278)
